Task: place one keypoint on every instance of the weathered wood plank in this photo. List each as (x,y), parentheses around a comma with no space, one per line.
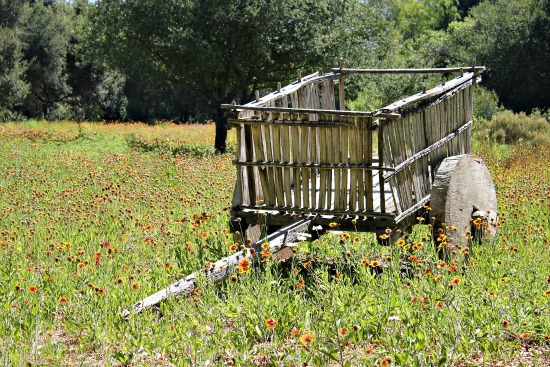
(441,89)
(221,269)
(335,156)
(329,101)
(329,151)
(299,110)
(334,212)
(259,149)
(344,160)
(368,158)
(285,91)
(313,159)
(477,69)
(316,165)
(354,152)
(278,171)
(287,158)
(322,173)
(383,155)
(297,174)
(304,154)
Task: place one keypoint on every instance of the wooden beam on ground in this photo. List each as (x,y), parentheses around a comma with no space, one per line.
(221,269)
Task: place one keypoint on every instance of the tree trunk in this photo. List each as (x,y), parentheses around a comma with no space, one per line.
(221,131)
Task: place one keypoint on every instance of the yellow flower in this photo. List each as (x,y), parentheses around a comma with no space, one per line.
(307,339)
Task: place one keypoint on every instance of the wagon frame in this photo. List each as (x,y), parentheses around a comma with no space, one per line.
(300,154)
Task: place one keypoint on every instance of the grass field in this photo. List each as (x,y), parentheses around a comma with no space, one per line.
(96,217)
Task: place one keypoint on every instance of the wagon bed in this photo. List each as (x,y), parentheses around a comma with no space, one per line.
(370,169)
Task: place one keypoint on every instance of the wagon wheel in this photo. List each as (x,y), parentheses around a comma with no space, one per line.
(464,204)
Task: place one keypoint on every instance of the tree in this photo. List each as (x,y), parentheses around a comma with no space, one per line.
(13,87)
(221,50)
(46,34)
(511,37)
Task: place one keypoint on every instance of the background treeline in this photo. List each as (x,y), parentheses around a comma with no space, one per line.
(148,60)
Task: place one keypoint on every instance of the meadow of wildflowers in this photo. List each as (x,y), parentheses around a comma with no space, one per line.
(95,217)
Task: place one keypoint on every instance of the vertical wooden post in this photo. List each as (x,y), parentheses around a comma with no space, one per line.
(341,92)
(381,163)
(249,157)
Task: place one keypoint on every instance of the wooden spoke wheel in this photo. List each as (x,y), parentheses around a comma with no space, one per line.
(464,206)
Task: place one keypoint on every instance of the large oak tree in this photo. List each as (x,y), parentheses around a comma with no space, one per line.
(222,49)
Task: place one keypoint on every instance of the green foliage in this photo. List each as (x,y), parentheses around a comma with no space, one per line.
(46,34)
(507,127)
(485,103)
(414,18)
(511,38)
(13,87)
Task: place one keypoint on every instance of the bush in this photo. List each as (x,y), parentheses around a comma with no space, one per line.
(510,128)
(485,103)
(150,145)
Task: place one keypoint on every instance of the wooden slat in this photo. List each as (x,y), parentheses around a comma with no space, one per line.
(304,152)
(413,209)
(285,91)
(245,180)
(295,101)
(441,89)
(344,159)
(354,152)
(335,158)
(238,194)
(287,122)
(278,171)
(295,135)
(383,154)
(329,151)
(297,109)
(477,69)
(368,156)
(348,166)
(336,212)
(259,150)
(287,158)
(313,159)
(323,192)
(269,139)
(328,102)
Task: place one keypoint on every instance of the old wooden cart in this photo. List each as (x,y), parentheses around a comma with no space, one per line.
(304,161)
(300,154)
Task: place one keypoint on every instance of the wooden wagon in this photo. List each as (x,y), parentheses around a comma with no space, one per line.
(303,161)
(301,154)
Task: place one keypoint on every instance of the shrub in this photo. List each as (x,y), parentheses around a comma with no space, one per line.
(485,103)
(510,128)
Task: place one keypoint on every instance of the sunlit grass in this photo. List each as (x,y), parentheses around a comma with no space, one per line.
(91,225)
